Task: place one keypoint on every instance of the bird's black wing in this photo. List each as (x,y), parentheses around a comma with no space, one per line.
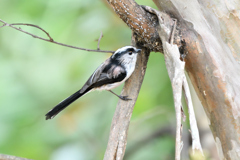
(104,74)
(94,77)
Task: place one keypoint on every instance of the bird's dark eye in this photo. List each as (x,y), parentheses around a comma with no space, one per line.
(130,53)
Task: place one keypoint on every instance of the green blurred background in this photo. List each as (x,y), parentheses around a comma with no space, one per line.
(36,75)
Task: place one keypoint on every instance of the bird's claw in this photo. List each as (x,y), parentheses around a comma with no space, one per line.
(125,98)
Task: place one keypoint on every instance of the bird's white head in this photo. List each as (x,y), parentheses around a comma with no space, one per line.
(126,55)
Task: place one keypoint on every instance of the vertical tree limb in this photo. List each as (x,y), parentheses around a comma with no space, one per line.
(175,68)
(119,129)
(175,72)
(196,145)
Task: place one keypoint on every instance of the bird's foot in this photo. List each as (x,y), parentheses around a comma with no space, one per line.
(125,98)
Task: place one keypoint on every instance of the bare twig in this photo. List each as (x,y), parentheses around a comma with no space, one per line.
(196,145)
(175,72)
(119,129)
(32,25)
(9,157)
(173,31)
(98,47)
(3,25)
(183,114)
(144,141)
(50,38)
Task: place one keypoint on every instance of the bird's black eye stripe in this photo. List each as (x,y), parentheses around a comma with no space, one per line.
(130,50)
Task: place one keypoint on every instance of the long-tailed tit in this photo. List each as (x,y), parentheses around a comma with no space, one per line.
(110,74)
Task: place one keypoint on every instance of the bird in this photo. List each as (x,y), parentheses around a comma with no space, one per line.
(110,74)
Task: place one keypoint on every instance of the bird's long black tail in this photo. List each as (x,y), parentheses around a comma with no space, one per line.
(62,105)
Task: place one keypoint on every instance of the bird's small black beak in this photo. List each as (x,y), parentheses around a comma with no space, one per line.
(138,50)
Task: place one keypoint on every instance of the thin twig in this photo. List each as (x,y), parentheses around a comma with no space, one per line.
(101,35)
(183,114)
(196,145)
(3,25)
(50,38)
(32,25)
(162,132)
(173,31)
(174,65)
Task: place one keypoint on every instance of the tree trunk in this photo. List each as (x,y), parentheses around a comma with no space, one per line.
(213,66)
(117,140)
(208,32)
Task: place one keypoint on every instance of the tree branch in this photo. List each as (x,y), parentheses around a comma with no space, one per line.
(162,132)
(8,157)
(99,39)
(141,22)
(177,70)
(196,145)
(32,25)
(50,38)
(119,129)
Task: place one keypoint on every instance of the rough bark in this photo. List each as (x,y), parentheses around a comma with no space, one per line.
(119,129)
(213,65)
(141,22)
(208,32)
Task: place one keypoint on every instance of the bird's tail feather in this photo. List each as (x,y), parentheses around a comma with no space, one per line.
(62,105)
